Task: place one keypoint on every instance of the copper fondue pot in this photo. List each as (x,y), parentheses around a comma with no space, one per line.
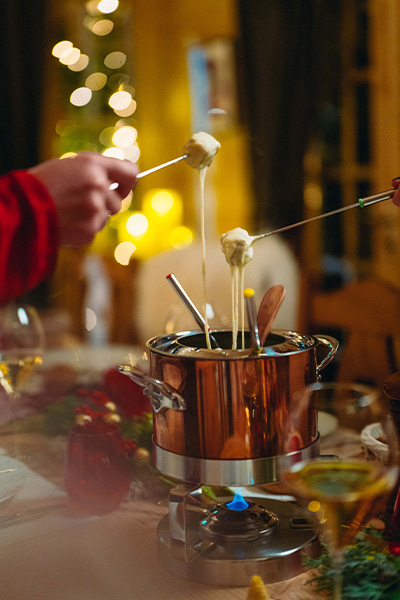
(230,404)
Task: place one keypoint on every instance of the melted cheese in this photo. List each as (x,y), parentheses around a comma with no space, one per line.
(200,150)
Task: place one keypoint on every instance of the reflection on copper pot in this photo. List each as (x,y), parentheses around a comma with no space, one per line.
(233,402)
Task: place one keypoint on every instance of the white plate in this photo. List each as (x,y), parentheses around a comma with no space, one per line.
(13,475)
(326,423)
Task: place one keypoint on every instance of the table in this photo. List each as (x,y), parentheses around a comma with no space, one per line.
(63,555)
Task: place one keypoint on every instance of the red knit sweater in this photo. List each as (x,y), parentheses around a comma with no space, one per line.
(28,234)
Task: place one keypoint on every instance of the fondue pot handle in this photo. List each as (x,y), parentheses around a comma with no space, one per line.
(332,344)
(162,396)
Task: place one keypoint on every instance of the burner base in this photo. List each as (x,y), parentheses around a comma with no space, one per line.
(276,558)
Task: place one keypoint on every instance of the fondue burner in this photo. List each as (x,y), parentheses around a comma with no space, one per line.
(218,421)
(225,545)
(225,542)
(237,521)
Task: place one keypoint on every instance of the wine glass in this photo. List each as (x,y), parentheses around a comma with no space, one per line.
(345,486)
(21,346)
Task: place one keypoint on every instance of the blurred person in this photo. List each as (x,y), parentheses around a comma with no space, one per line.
(56,203)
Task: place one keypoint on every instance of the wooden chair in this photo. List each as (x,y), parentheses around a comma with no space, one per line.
(366,313)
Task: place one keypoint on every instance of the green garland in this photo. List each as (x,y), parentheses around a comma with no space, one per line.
(370,571)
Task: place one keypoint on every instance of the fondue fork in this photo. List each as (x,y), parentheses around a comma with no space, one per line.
(166,164)
(114,185)
(362,202)
(190,305)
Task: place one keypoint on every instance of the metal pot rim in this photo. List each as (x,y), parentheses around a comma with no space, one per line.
(282,343)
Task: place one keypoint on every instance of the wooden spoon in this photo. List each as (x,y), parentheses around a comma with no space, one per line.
(269,306)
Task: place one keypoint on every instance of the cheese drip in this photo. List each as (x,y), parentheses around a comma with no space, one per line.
(238,250)
(200,151)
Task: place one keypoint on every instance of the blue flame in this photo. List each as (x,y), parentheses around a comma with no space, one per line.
(238,503)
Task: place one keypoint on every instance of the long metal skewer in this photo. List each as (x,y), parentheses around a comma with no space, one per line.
(154,169)
(190,305)
(362,202)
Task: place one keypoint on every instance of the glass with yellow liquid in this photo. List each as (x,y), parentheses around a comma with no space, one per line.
(346,485)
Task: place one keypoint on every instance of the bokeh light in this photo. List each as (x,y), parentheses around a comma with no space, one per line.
(123,252)
(80,64)
(126,202)
(106,135)
(120,100)
(70,56)
(313,196)
(107,6)
(96,81)
(115,60)
(102,27)
(128,111)
(137,224)
(162,202)
(124,136)
(180,237)
(114,153)
(132,153)
(81,96)
(68,155)
(60,47)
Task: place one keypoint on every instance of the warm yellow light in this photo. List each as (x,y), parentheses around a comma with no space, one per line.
(124,136)
(128,111)
(96,81)
(137,224)
(123,252)
(68,155)
(80,96)
(106,135)
(162,202)
(103,27)
(107,6)
(114,153)
(126,202)
(60,47)
(314,506)
(120,100)
(132,153)
(70,56)
(80,64)
(91,7)
(313,196)
(180,237)
(115,60)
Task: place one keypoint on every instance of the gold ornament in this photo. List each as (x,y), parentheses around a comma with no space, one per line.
(257,589)
(142,455)
(112,418)
(82,419)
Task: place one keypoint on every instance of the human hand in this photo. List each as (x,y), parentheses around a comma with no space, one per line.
(80,188)
(396,197)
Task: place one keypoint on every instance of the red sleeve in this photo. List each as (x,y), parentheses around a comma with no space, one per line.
(28,234)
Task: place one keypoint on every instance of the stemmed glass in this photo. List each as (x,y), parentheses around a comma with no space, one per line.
(21,346)
(345,486)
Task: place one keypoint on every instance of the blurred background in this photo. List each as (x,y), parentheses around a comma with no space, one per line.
(302,94)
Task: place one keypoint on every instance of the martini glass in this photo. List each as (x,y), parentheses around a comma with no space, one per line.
(346,486)
(21,346)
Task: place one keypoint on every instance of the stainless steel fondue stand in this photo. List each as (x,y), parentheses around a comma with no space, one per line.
(218,421)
